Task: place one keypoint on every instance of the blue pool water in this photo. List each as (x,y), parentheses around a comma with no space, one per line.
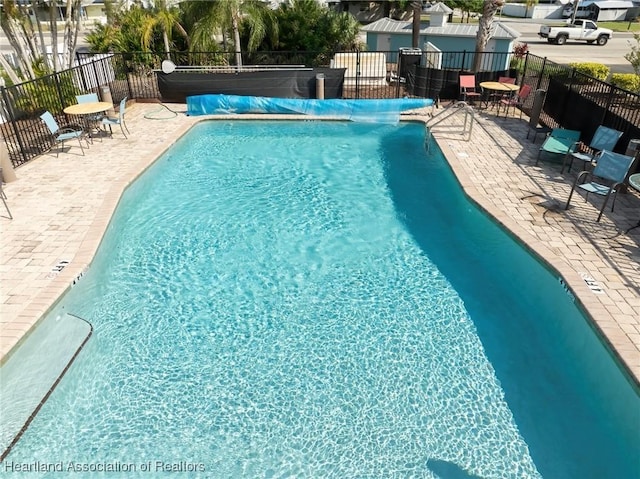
(319,300)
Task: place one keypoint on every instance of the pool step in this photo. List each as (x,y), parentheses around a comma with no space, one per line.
(33,371)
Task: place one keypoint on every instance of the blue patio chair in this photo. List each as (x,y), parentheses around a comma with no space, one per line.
(93,120)
(88,98)
(559,142)
(603,139)
(607,177)
(118,121)
(3,196)
(62,134)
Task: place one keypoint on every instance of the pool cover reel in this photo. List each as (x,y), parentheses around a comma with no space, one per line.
(372,111)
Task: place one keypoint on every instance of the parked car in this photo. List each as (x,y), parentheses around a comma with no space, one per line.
(585,30)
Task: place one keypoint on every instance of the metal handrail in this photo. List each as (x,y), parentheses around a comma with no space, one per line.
(449,111)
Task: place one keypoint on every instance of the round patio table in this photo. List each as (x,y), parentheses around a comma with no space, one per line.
(88,111)
(497,87)
(90,108)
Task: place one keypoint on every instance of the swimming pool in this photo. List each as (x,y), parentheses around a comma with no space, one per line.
(319,299)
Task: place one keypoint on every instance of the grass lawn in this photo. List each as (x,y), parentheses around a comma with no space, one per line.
(621,26)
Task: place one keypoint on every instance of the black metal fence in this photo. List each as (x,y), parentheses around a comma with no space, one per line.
(574,100)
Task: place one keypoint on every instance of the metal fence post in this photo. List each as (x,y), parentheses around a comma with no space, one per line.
(610,98)
(59,90)
(95,72)
(357,74)
(126,75)
(544,65)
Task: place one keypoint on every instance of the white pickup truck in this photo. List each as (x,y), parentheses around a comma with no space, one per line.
(584,30)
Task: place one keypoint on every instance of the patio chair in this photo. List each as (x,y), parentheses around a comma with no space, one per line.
(87,98)
(559,142)
(468,89)
(64,133)
(539,97)
(3,195)
(496,96)
(516,101)
(93,121)
(607,177)
(604,139)
(119,120)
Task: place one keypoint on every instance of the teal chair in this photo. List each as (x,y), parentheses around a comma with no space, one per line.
(559,142)
(3,196)
(88,98)
(607,177)
(604,138)
(119,120)
(93,121)
(62,134)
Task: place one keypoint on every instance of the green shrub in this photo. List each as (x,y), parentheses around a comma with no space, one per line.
(43,94)
(626,81)
(595,70)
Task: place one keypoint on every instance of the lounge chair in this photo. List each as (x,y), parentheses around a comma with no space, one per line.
(64,133)
(607,177)
(559,142)
(119,120)
(604,139)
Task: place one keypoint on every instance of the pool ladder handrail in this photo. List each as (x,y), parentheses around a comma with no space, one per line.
(449,111)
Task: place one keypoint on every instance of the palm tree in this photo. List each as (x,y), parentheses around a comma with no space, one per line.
(25,34)
(485,24)
(416,6)
(167,19)
(228,17)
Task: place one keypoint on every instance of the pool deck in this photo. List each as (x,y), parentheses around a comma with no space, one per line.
(62,206)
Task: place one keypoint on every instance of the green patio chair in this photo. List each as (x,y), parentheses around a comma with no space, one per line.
(603,139)
(559,142)
(607,177)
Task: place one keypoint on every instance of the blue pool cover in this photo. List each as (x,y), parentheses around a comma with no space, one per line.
(375,111)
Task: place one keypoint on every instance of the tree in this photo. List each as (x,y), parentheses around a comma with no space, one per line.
(306,25)
(528,5)
(165,18)
(25,32)
(395,8)
(416,6)
(633,56)
(489,10)
(465,6)
(228,17)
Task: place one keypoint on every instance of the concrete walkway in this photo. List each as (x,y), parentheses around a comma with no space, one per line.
(62,206)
